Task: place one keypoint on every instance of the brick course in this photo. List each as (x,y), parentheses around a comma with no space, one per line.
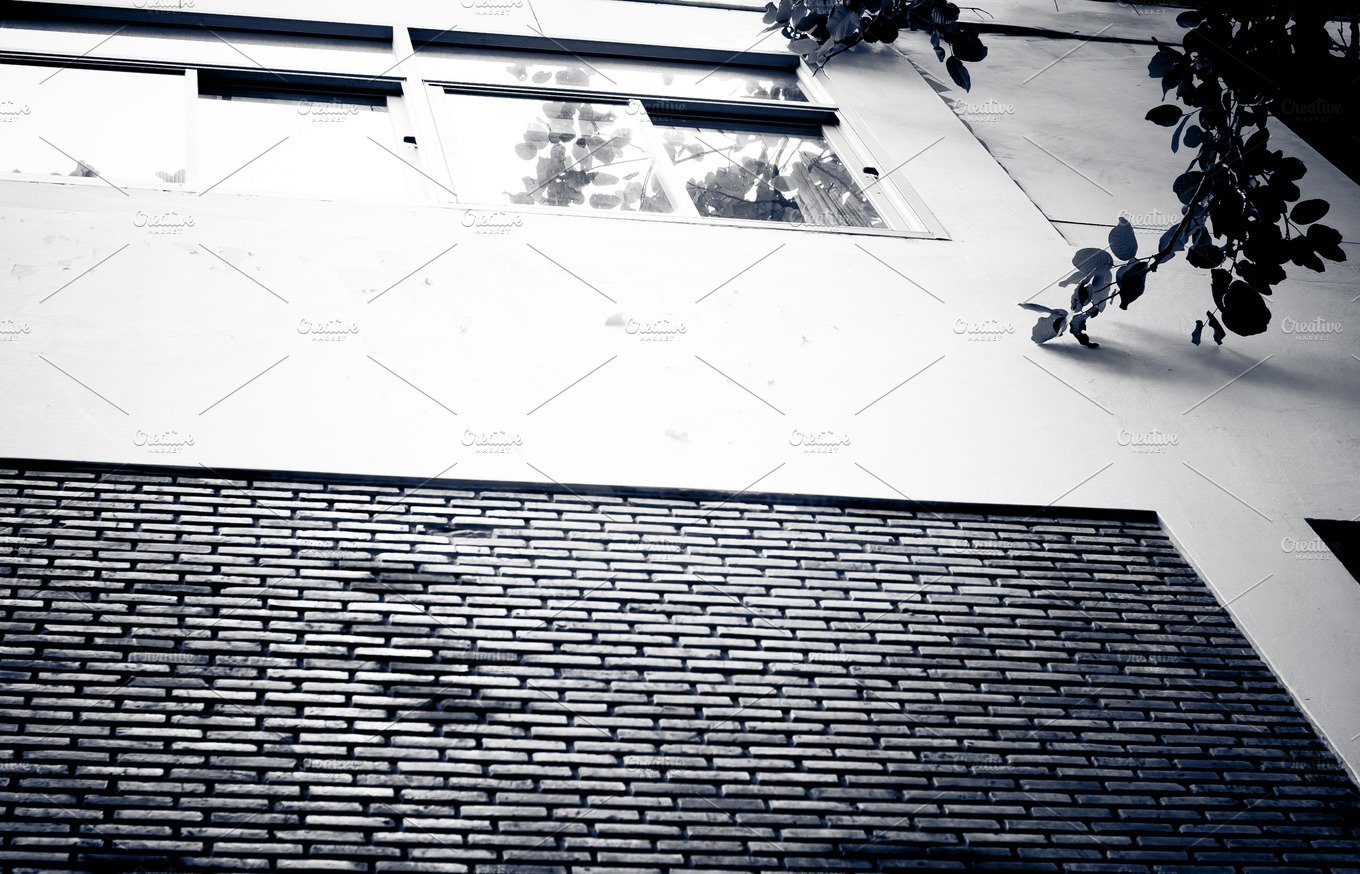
(273,672)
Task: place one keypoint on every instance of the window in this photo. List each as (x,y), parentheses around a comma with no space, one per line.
(1343,539)
(597,134)
(124,126)
(298,143)
(255,131)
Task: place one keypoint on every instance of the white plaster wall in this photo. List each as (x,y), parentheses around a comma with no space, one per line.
(819,331)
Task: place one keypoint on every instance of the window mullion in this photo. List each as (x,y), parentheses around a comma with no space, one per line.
(661,163)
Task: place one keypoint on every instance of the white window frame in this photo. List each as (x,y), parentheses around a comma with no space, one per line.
(315,85)
(899,206)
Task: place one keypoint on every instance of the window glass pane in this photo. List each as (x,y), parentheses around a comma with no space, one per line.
(658,78)
(773,177)
(553,153)
(195,45)
(126,127)
(298,145)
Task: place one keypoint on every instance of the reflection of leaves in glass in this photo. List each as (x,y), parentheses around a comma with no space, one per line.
(573,143)
(801,182)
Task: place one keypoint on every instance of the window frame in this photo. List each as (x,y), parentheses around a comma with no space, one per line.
(900,207)
(243,81)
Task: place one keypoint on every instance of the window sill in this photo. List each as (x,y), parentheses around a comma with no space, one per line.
(488,208)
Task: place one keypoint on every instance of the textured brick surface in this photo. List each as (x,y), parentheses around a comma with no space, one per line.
(264,673)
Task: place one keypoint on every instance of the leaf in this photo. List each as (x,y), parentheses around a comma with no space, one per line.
(1219,333)
(1132,281)
(1089,261)
(1082,296)
(1244,310)
(1193,136)
(1204,256)
(1123,241)
(1190,18)
(1186,185)
(1176,137)
(1305,212)
(1078,328)
(1165,115)
(959,73)
(804,46)
(1196,334)
(1326,241)
(1048,327)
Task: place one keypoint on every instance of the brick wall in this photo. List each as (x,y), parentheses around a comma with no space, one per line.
(256,672)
